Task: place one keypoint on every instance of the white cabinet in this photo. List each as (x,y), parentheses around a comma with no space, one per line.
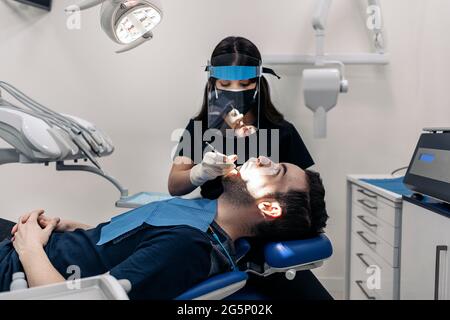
(425,258)
(373,241)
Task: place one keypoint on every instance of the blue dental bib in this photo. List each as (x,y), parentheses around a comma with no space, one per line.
(198,213)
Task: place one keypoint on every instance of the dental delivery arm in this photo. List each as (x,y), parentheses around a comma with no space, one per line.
(38,268)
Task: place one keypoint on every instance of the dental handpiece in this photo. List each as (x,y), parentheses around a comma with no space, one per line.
(211,147)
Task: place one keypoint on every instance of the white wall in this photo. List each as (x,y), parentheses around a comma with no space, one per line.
(140,97)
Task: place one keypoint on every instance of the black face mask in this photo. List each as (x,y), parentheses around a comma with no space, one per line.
(243,101)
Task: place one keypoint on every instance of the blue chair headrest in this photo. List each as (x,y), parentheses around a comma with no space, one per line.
(242,247)
(293,253)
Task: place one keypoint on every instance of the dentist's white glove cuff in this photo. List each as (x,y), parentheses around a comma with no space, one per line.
(212,166)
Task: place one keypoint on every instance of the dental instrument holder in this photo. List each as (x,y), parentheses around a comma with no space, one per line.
(56,138)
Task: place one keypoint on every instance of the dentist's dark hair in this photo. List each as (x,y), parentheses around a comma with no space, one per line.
(304,213)
(242,46)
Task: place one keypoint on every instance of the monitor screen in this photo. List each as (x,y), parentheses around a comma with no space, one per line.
(44,4)
(428,172)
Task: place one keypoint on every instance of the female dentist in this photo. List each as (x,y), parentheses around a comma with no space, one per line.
(237,107)
(236,99)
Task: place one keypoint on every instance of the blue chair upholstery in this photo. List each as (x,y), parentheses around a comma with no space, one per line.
(227,283)
(298,252)
(279,256)
(242,247)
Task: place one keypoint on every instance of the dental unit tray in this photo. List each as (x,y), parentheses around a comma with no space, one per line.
(104,287)
(38,134)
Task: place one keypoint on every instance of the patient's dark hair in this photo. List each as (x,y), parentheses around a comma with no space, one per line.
(304,213)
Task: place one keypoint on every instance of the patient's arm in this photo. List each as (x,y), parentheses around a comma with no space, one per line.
(69,225)
(61,225)
(29,241)
(38,268)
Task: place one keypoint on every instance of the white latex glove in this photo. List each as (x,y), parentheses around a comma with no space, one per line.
(213,165)
(244,131)
(234,119)
(254,168)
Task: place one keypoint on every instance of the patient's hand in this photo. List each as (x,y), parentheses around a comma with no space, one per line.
(29,235)
(43,221)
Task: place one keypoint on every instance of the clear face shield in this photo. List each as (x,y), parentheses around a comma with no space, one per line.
(234,94)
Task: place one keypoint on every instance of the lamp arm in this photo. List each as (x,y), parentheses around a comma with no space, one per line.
(86,4)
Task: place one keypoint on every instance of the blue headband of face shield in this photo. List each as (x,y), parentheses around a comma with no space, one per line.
(234,73)
(237,73)
(236,67)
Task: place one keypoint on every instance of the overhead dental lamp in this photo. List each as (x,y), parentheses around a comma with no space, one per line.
(127,22)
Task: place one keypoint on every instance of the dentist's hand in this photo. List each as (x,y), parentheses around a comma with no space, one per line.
(234,119)
(214,165)
(30,236)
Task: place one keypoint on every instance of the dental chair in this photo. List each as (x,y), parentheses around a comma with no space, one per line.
(40,135)
(280,257)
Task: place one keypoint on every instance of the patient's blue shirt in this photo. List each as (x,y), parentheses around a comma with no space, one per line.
(161,262)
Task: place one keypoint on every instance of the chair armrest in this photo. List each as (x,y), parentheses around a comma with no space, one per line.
(217,287)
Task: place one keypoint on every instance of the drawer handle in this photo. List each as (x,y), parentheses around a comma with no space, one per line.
(437,271)
(363,219)
(362,191)
(361,234)
(365,204)
(360,256)
(360,285)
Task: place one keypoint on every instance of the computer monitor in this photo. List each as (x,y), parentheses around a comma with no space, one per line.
(429,170)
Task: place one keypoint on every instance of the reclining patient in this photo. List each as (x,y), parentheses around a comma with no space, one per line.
(162,256)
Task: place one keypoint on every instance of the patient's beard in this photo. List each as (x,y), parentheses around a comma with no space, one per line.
(236,192)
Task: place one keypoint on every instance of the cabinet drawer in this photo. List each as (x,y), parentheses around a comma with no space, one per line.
(359,291)
(365,263)
(364,197)
(378,227)
(375,205)
(375,244)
